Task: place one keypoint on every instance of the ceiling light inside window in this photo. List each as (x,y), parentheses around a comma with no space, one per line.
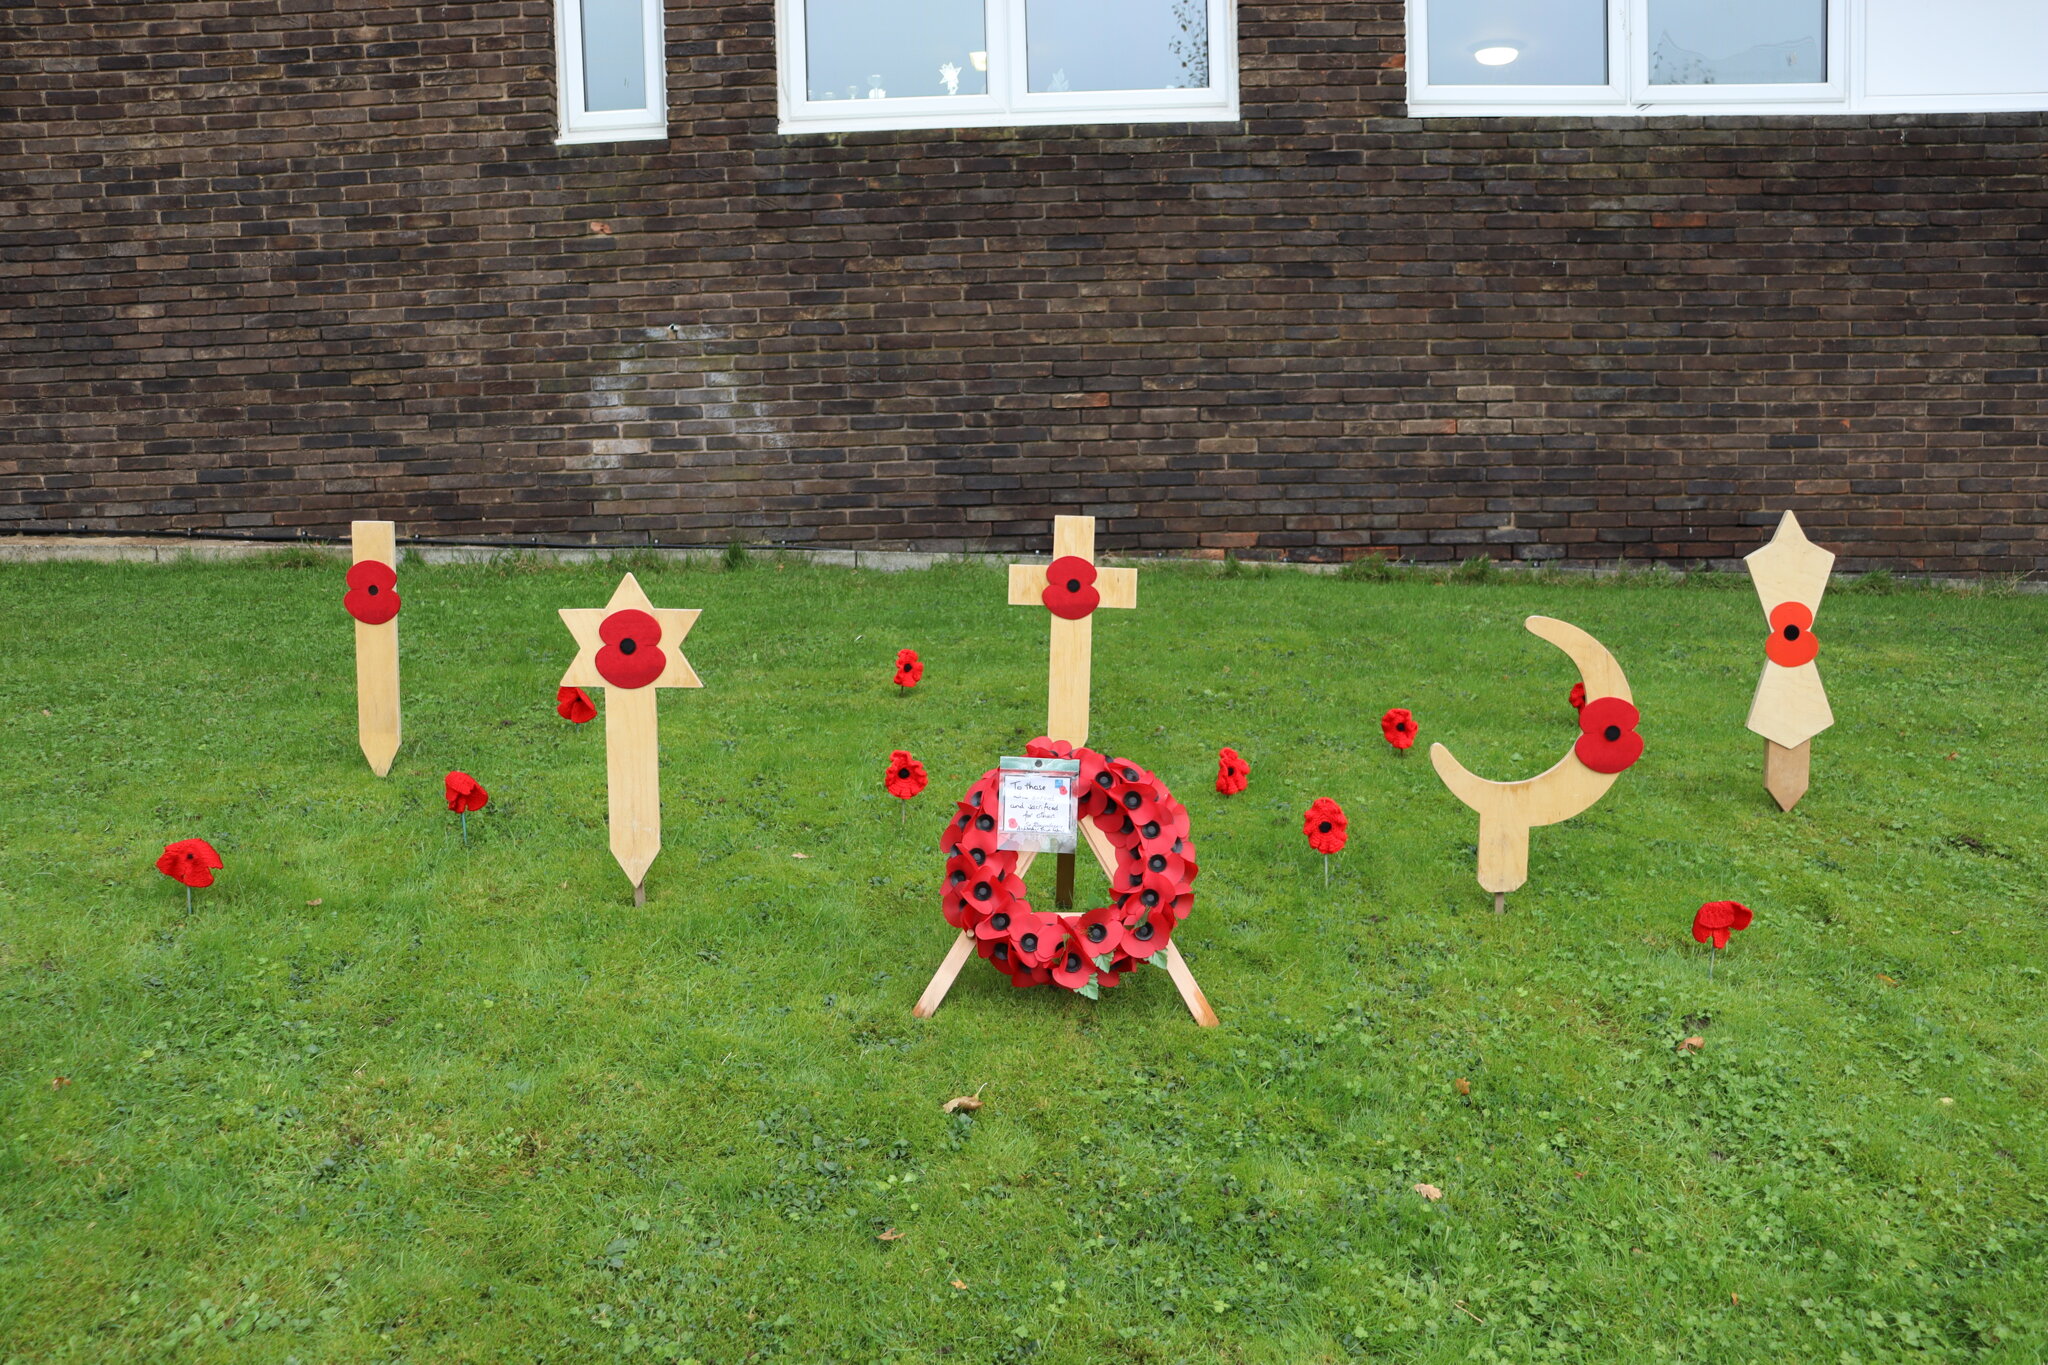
(978,60)
(1496,54)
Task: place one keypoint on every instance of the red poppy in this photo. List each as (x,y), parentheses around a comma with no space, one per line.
(1608,742)
(1578,696)
(909,668)
(906,776)
(372,595)
(1398,726)
(464,792)
(991,896)
(1791,640)
(631,656)
(1324,824)
(573,704)
(1146,935)
(1070,588)
(189,862)
(1025,977)
(1232,772)
(1035,938)
(1717,919)
(1073,964)
(1099,931)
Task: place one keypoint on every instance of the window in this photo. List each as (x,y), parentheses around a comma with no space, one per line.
(1705,56)
(608,59)
(853,64)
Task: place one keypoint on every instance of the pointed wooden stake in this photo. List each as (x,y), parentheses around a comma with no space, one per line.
(1787,771)
(377,719)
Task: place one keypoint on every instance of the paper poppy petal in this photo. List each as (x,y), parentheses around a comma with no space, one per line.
(1608,742)
(372,595)
(1070,588)
(632,655)
(1791,641)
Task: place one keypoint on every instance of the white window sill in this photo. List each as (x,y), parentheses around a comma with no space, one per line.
(649,133)
(1051,118)
(1836,108)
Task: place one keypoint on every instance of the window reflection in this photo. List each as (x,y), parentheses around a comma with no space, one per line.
(614,55)
(895,49)
(1518,42)
(1117,45)
(1738,42)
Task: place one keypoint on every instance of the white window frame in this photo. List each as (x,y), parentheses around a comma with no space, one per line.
(1529,98)
(1844,92)
(1008,103)
(1704,98)
(580,125)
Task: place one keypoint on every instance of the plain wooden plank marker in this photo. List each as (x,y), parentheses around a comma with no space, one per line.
(1508,810)
(1069,654)
(1791,706)
(378,726)
(629,647)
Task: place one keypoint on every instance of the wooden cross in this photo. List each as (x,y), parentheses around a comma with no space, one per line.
(630,648)
(377,718)
(1790,706)
(1070,655)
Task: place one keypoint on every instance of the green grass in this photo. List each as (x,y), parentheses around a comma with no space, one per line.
(381,1097)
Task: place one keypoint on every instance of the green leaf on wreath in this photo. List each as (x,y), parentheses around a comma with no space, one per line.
(1091,990)
(1102,961)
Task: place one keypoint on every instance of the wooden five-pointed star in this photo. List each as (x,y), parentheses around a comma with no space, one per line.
(675,623)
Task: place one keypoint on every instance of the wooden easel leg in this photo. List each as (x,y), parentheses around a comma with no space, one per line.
(942,979)
(1063,883)
(1184,982)
(1787,772)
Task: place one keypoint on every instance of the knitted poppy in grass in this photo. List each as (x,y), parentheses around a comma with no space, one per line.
(1399,728)
(1791,641)
(372,595)
(905,777)
(1608,741)
(1715,920)
(464,793)
(573,704)
(909,668)
(1578,696)
(1232,772)
(631,656)
(189,862)
(1324,824)
(1070,588)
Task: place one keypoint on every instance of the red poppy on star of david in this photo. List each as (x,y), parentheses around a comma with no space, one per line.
(372,595)
(1608,741)
(631,656)
(1070,588)
(1791,641)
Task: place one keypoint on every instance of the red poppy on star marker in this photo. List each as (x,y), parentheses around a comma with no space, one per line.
(464,793)
(372,595)
(574,704)
(909,668)
(1070,588)
(1399,728)
(1232,772)
(1791,641)
(1325,825)
(1717,919)
(1608,741)
(631,656)
(189,862)
(905,777)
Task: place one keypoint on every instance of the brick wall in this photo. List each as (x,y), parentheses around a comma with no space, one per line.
(275,265)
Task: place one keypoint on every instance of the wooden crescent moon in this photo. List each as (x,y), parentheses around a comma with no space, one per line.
(1508,810)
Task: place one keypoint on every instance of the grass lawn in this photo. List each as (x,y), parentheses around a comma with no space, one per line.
(383,1097)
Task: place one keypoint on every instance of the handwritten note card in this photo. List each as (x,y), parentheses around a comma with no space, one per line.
(1037,811)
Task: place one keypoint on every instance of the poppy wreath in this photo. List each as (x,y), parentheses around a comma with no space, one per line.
(1151,891)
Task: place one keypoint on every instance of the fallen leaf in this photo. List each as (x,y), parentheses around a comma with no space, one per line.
(1945,1100)
(1692,1044)
(799,855)
(59,1082)
(1429,1192)
(46,710)
(1578,1175)
(890,1236)
(316,901)
(1888,980)
(1951,756)
(959,1284)
(1464,1086)
(565,886)
(962,1104)
(1735,1298)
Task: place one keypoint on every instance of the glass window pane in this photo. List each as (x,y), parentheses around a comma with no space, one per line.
(895,49)
(1117,45)
(614,55)
(1518,42)
(1738,42)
